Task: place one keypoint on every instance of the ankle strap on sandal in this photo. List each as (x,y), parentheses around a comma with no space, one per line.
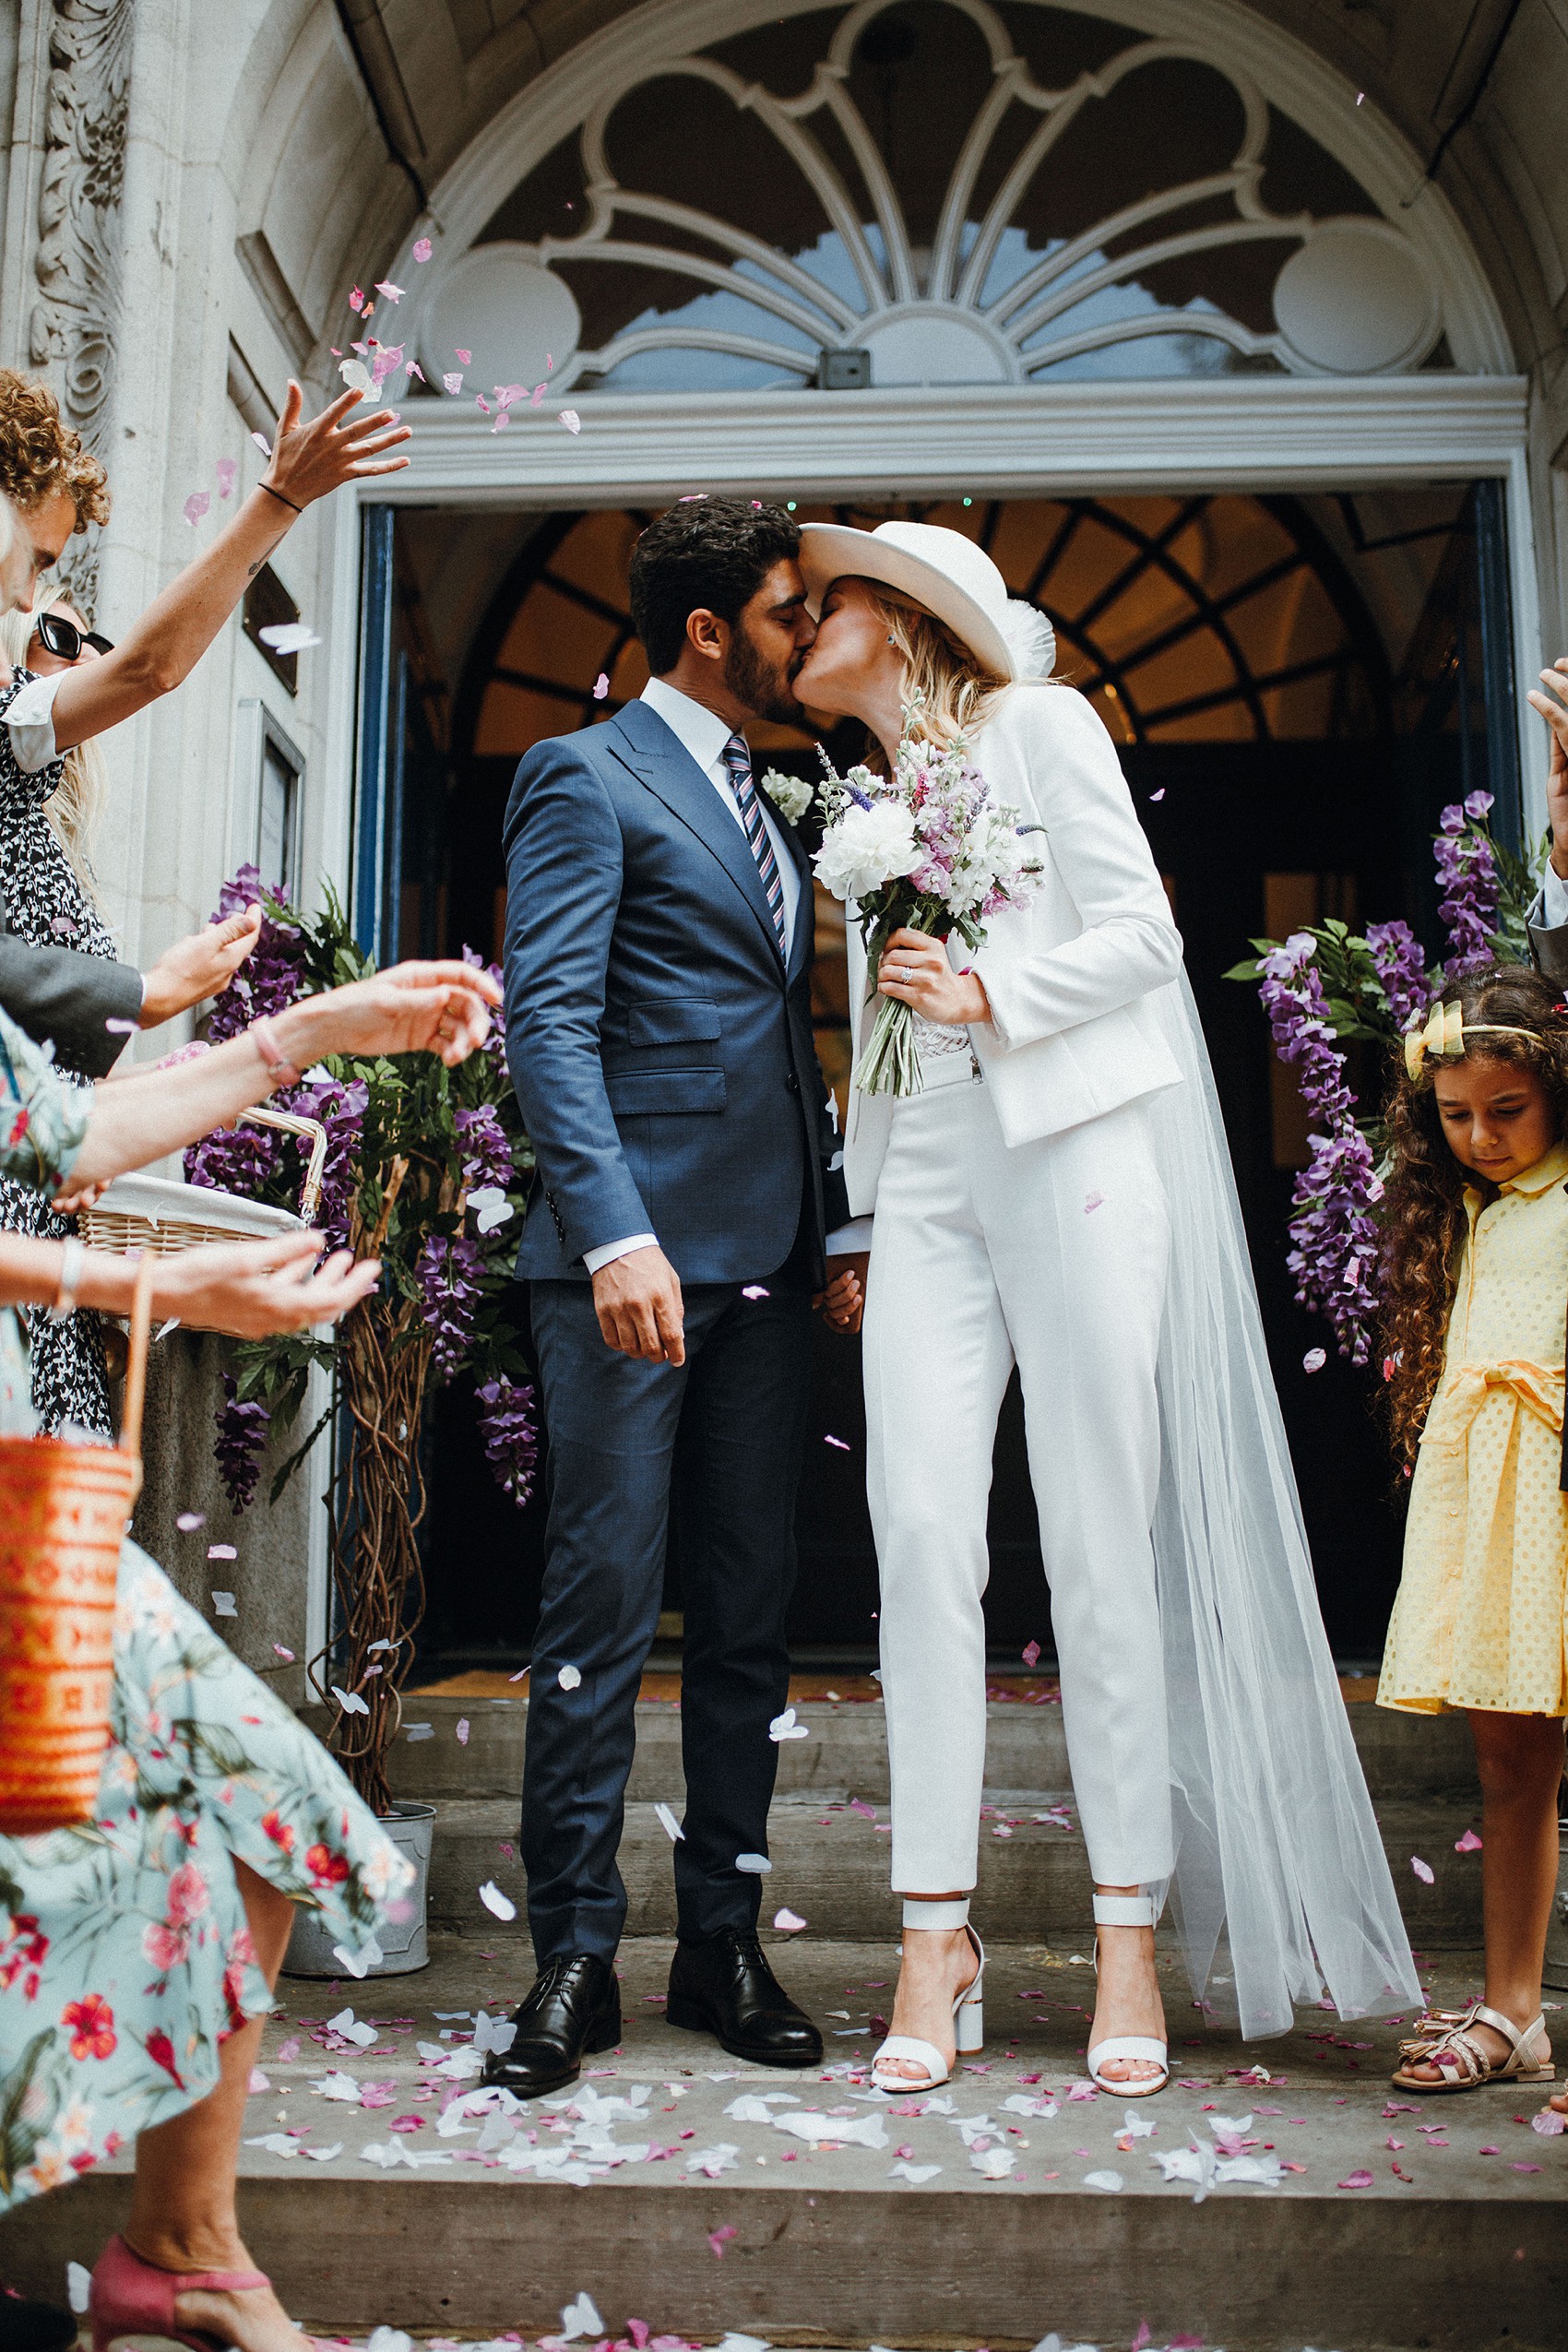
(1123,1911)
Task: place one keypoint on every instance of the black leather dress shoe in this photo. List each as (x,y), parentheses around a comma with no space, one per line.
(573,2010)
(725,1988)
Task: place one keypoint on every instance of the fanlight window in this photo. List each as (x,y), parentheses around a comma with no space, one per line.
(965,193)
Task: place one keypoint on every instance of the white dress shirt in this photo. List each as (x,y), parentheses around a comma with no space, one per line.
(704,734)
(31,718)
(1553,899)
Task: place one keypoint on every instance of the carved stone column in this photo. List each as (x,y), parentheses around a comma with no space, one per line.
(75,323)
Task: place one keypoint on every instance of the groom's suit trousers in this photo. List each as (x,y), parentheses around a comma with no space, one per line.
(718,1442)
(1050,1255)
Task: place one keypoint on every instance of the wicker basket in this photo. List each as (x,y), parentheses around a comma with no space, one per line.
(63,1515)
(154,1213)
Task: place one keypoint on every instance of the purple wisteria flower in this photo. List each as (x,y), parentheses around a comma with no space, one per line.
(340,1108)
(1335,1235)
(1402,966)
(242,1436)
(1467,872)
(269,978)
(487,1154)
(509,1426)
(449,1275)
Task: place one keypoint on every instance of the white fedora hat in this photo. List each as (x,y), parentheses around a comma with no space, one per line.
(946,572)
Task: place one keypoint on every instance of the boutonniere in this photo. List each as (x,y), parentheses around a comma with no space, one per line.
(789,795)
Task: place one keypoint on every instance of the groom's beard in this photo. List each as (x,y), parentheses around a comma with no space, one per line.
(765,691)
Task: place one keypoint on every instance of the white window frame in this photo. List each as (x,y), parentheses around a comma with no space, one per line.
(257,726)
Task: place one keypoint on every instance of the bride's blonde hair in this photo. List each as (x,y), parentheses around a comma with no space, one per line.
(956,691)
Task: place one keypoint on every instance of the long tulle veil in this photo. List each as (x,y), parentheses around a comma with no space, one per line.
(1281,1887)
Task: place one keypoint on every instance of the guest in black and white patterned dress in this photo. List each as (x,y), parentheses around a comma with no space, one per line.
(52,488)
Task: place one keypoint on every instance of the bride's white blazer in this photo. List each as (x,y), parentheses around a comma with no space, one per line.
(1071,1034)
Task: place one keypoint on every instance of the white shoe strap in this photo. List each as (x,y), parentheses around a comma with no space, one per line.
(1124,1910)
(1127,2046)
(919,2053)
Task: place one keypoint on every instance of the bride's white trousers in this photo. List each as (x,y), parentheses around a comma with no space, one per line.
(1050,1255)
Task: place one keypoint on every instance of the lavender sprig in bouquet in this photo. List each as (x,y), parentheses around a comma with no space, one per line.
(929,848)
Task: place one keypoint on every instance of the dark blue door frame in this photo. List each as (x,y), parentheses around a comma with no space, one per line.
(376,737)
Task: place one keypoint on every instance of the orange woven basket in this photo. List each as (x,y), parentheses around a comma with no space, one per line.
(63,1515)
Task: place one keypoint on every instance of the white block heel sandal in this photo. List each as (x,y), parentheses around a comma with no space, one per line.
(1127,1911)
(969,2035)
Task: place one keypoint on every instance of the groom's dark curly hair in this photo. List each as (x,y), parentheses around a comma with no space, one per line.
(706,553)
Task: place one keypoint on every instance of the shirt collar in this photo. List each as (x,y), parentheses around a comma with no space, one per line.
(1552,1168)
(700,730)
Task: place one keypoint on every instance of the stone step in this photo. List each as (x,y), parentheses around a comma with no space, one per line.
(1403,1757)
(830,1866)
(803,2246)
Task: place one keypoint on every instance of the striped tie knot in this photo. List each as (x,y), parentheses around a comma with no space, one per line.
(738,760)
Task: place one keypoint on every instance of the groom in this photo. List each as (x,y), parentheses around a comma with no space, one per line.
(658,939)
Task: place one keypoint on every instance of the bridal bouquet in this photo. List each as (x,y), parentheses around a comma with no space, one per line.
(929,848)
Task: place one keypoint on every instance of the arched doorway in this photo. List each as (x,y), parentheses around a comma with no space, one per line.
(1296,684)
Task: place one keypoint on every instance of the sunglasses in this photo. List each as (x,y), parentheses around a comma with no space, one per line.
(64,640)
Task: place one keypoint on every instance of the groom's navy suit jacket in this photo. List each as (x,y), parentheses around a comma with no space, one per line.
(661,1051)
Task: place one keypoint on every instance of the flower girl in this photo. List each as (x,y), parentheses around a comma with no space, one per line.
(1477,1281)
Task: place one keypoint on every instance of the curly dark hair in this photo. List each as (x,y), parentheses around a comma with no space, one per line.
(39,453)
(711,553)
(1424,1211)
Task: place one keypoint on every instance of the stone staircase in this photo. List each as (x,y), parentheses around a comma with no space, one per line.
(1456,2241)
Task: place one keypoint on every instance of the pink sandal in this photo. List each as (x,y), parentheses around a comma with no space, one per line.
(130,2297)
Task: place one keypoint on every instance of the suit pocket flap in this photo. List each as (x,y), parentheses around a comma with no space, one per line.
(664,1093)
(671,1020)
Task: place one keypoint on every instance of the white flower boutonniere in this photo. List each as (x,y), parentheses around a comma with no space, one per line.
(790,796)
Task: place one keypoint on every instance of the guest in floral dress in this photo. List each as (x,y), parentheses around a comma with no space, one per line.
(137,1953)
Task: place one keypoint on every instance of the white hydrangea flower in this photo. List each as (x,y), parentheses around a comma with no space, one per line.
(866,848)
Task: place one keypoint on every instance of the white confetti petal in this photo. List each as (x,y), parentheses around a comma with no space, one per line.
(913,2173)
(570,1678)
(502,1906)
(1109,2181)
(668,1824)
(755,1865)
(223,1605)
(581,2317)
(788,1922)
(289,636)
(571,420)
(77,2282)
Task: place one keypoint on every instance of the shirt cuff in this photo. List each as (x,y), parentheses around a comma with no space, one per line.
(29,715)
(608,1251)
(1553,899)
(849,1241)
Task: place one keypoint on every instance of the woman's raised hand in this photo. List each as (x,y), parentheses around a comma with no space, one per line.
(252,1290)
(310,461)
(1554,708)
(441,1008)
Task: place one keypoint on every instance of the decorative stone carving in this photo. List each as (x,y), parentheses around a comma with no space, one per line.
(75,323)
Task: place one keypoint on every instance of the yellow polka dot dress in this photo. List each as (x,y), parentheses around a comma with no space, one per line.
(1480,1620)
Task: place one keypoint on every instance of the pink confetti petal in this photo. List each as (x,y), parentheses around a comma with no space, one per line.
(226,469)
(1423,1871)
(1031,1654)
(1549,2123)
(196,505)
(788,1922)
(453,382)
(1524,2167)
(462,1731)
(600,689)
(1315,1360)
(290,2051)
(189,1521)
(464,356)
(1160,795)
(1093,1200)
(385,286)
(221,1551)
(837,1441)
(258,2082)
(1356,2180)
(719,2238)
(356,299)
(1469,1844)
(287,1655)
(422,249)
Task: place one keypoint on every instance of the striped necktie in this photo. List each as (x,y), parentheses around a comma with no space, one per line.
(738,760)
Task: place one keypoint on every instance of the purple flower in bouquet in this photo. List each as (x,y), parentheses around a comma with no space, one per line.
(242,1436)
(487,1154)
(448,1272)
(1467,874)
(1402,967)
(509,1426)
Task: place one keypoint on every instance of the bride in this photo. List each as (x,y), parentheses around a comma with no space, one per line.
(1058,1197)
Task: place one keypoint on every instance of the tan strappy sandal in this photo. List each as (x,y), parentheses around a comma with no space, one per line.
(1465,2065)
(1433,2026)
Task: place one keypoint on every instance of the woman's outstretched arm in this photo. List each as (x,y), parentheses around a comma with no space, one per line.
(160,650)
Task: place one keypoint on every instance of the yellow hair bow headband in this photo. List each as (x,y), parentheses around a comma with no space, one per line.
(1445,1032)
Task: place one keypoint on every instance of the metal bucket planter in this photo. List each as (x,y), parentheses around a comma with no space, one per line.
(410,1827)
(1555,1973)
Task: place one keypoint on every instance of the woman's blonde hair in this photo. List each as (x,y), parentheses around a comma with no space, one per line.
(75,807)
(956,691)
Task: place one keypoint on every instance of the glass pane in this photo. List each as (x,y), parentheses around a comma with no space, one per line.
(275,827)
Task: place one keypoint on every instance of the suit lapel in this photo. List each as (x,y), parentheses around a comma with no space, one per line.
(659,760)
